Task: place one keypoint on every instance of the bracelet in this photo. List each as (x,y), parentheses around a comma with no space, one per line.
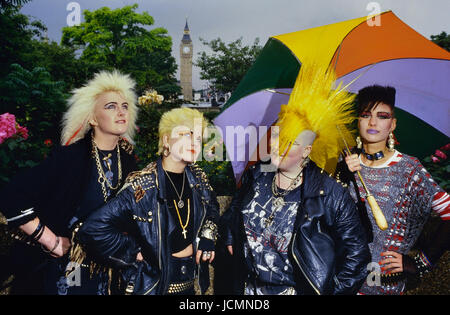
(423,265)
(38,229)
(54,246)
(39,235)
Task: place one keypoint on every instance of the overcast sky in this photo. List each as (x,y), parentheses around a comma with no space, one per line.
(231,19)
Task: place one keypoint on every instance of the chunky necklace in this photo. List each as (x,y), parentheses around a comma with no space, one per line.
(102,179)
(180,202)
(183,226)
(373,157)
(278,201)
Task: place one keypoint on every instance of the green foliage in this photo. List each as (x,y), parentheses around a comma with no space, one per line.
(443,40)
(120,39)
(35,99)
(62,64)
(16,4)
(220,175)
(17,154)
(37,102)
(228,63)
(16,43)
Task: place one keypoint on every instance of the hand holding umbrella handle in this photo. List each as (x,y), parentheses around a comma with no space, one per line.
(376,210)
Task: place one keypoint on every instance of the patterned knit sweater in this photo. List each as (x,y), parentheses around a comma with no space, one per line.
(406,194)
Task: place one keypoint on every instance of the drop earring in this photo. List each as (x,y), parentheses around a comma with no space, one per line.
(391,142)
(358,142)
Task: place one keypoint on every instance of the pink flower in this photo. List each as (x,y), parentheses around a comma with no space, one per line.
(435,159)
(48,142)
(7,126)
(440,154)
(446,147)
(3,136)
(22,131)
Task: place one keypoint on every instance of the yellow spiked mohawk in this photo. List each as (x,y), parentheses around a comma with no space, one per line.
(316,105)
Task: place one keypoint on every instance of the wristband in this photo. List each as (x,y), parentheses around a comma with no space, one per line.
(54,246)
(39,235)
(38,229)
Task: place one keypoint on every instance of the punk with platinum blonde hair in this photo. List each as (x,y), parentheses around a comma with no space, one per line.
(177,118)
(75,123)
(82,175)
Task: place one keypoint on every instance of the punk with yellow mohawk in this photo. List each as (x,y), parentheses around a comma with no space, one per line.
(296,226)
(319,110)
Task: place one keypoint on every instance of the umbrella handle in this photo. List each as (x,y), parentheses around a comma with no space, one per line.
(376,210)
(377,213)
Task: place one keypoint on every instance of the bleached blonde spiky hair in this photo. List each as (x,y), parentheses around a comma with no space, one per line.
(315,104)
(177,117)
(81,104)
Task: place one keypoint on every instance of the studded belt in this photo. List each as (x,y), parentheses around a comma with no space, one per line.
(180,287)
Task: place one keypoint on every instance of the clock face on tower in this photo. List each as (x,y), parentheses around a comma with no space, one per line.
(186,49)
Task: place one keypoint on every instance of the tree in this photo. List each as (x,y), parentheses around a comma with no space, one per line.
(228,64)
(37,102)
(119,39)
(16,43)
(12,3)
(35,99)
(442,40)
(62,64)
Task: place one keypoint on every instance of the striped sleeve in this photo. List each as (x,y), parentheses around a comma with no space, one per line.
(441,205)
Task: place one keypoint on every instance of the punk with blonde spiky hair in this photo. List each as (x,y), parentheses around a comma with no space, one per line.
(170,198)
(75,123)
(293,224)
(83,174)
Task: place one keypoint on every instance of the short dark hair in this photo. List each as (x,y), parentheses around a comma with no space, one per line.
(370,96)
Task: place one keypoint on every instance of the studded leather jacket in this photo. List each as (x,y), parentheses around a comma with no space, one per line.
(328,248)
(137,220)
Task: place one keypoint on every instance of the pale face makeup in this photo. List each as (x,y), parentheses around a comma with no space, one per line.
(292,161)
(184,144)
(110,115)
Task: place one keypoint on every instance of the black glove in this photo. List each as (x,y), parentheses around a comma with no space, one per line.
(206,245)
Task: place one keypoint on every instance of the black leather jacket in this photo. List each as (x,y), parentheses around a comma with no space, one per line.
(137,220)
(328,248)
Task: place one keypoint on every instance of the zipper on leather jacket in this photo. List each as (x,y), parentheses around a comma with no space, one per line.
(198,231)
(299,265)
(159,249)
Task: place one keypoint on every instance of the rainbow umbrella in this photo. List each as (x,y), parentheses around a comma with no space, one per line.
(390,54)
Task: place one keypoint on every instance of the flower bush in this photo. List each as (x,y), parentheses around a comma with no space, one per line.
(15,151)
(438,166)
(9,128)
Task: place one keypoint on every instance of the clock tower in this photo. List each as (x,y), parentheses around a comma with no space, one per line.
(186,64)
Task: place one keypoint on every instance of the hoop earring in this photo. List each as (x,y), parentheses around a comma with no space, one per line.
(166,152)
(391,142)
(358,142)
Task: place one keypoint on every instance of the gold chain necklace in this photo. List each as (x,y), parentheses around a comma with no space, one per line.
(101,173)
(183,226)
(278,202)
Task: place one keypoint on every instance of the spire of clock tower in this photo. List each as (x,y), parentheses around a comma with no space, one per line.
(186,36)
